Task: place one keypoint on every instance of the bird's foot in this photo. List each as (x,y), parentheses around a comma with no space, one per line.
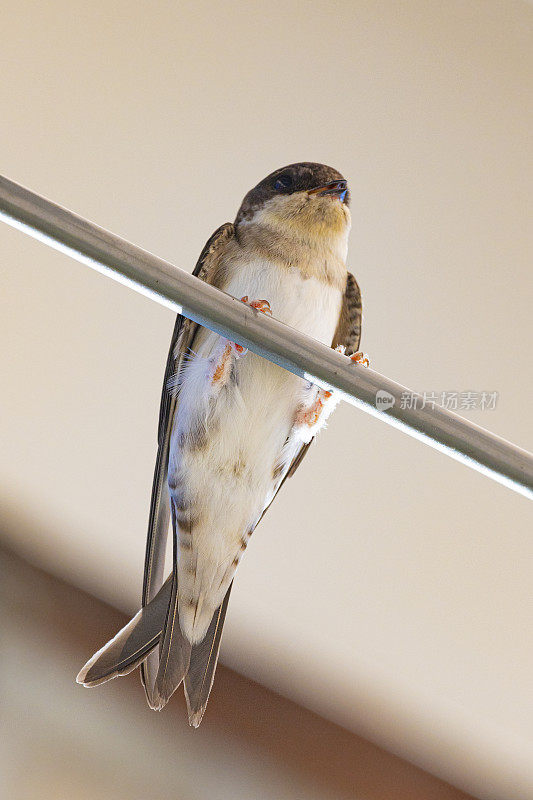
(221,363)
(315,415)
(259,305)
(310,416)
(360,358)
(355,358)
(225,355)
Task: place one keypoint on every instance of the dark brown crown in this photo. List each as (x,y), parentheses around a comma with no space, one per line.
(287,180)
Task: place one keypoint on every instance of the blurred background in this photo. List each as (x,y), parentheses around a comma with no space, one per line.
(395,663)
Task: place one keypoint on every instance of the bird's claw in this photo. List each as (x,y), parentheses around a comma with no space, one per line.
(360,358)
(260,305)
(238,349)
(311,416)
(355,358)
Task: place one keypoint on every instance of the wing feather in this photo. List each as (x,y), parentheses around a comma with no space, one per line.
(159,517)
(348,331)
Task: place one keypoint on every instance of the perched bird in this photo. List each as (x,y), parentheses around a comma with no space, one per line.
(233,426)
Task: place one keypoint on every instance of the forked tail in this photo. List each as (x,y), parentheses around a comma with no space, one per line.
(154,625)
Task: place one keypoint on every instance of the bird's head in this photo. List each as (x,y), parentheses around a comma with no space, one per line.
(308,201)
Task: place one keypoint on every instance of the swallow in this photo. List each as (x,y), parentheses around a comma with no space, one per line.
(233,426)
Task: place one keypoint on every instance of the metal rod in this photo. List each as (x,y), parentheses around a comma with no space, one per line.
(176,289)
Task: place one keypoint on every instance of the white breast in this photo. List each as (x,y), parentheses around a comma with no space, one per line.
(230,479)
(307,304)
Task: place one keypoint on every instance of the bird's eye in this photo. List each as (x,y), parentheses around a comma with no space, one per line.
(284,183)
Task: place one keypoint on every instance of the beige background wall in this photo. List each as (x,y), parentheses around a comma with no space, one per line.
(389,588)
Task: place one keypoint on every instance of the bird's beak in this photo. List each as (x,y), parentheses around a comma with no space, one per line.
(332,189)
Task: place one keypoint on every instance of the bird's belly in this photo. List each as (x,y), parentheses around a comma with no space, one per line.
(224,472)
(244,427)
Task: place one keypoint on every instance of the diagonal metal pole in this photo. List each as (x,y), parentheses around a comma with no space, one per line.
(176,289)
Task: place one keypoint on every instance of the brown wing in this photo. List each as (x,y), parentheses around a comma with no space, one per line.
(348,331)
(159,517)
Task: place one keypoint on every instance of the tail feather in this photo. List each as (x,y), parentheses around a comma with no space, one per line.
(148,674)
(158,623)
(131,645)
(203,661)
(174,655)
